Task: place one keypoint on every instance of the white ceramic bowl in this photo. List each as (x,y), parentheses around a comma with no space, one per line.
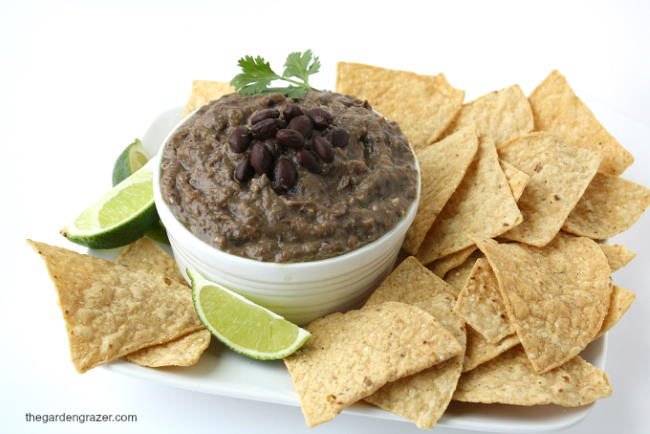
(300,292)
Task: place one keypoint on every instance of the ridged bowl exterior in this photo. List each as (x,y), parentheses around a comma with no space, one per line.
(301,291)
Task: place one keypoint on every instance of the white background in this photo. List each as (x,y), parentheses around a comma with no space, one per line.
(80,80)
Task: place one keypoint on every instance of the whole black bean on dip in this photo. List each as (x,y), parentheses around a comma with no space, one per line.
(275,179)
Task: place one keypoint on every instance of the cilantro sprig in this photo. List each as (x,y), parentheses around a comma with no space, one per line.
(257,75)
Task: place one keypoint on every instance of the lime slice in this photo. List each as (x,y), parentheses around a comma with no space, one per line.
(242,325)
(121,216)
(129,161)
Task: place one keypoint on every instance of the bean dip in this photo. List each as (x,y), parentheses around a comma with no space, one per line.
(274,179)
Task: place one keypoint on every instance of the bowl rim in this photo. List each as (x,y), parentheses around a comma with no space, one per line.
(174,226)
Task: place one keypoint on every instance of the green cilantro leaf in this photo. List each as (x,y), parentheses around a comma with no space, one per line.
(257,75)
(298,65)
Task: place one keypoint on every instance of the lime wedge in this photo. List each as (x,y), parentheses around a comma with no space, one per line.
(121,216)
(242,325)
(129,161)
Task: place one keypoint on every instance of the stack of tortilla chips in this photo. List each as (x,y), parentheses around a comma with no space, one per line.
(509,257)
(139,307)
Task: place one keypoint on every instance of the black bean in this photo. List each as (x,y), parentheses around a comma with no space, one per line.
(267,128)
(339,137)
(285,175)
(302,124)
(323,149)
(265,114)
(320,117)
(291,111)
(290,138)
(308,160)
(273,146)
(244,171)
(239,139)
(261,159)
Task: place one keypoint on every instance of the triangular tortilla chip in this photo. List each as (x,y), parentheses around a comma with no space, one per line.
(482,205)
(350,356)
(441,266)
(456,277)
(480,304)
(423,397)
(557,109)
(442,167)
(203,92)
(517,179)
(145,255)
(620,302)
(556,296)
(559,175)
(110,310)
(479,351)
(618,256)
(510,379)
(423,105)
(503,115)
(609,206)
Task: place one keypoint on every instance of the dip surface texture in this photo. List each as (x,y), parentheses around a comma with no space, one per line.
(349,202)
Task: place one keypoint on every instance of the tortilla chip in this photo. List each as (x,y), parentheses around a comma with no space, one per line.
(516,179)
(618,256)
(480,304)
(146,255)
(184,351)
(110,310)
(557,109)
(456,277)
(609,206)
(203,92)
(559,175)
(423,397)
(479,351)
(556,296)
(441,266)
(482,205)
(351,355)
(423,105)
(503,115)
(442,167)
(620,302)
(510,379)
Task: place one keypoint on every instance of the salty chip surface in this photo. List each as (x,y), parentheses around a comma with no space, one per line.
(479,350)
(504,115)
(423,105)
(352,355)
(556,296)
(559,174)
(442,167)
(517,179)
(557,109)
(146,255)
(480,304)
(609,206)
(510,379)
(482,205)
(618,256)
(422,397)
(620,302)
(110,310)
